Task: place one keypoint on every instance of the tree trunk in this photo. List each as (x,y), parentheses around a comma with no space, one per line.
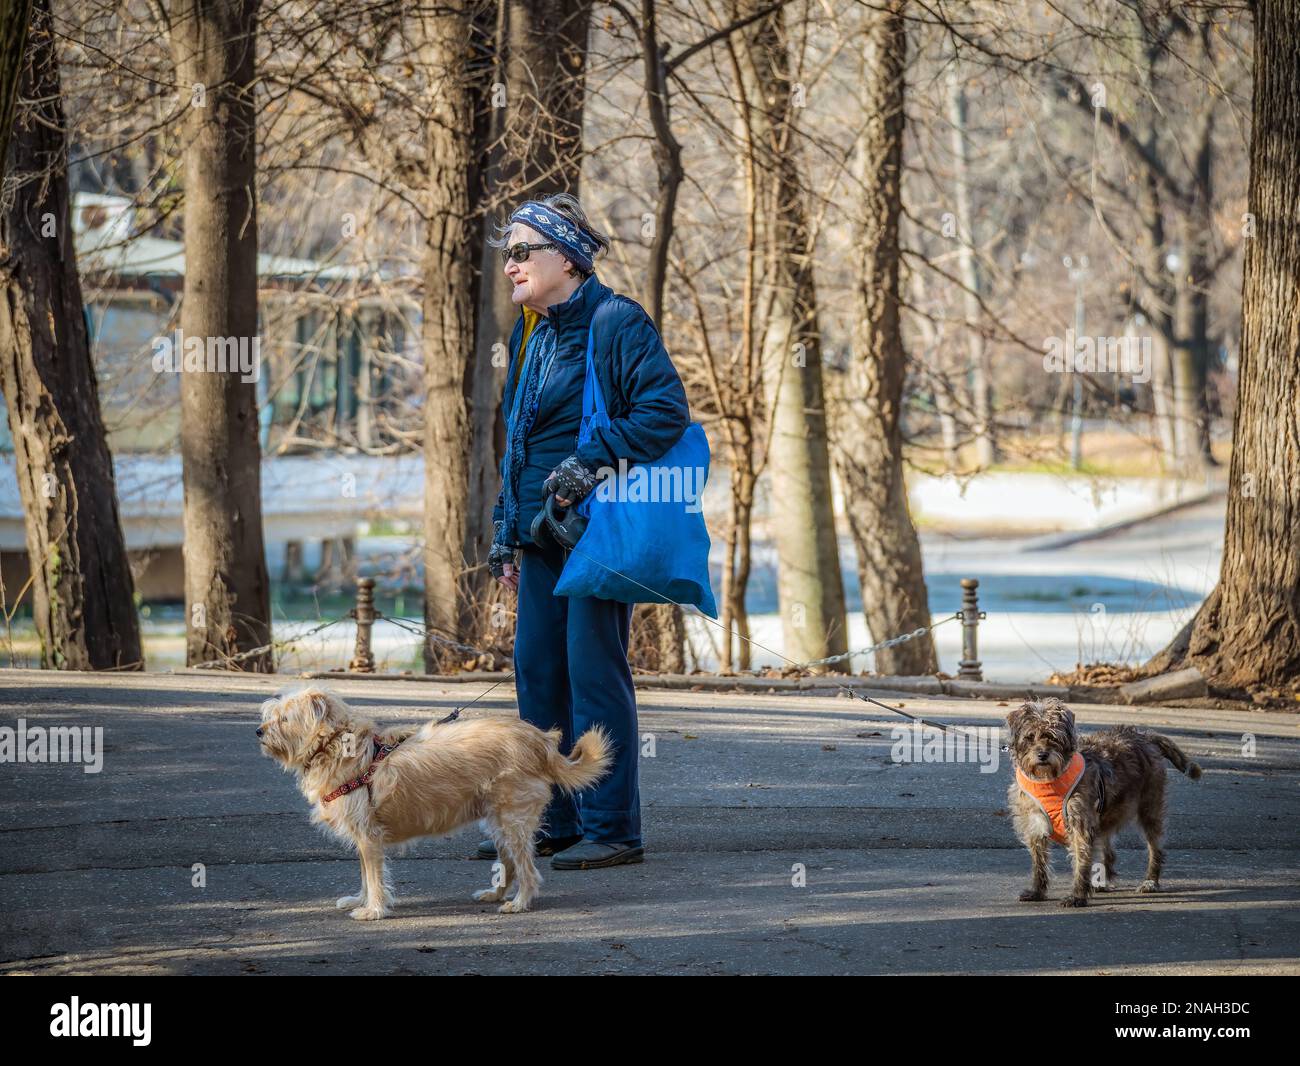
(546,89)
(83,599)
(1162,402)
(667,154)
(227,588)
(802,517)
(535,150)
(737,565)
(981,374)
(744,570)
(658,638)
(870,458)
(662,622)
(1247,632)
(737,396)
(15,18)
(1187,392)
(455,138)
(938,371)
(1199,229)
(1197,226)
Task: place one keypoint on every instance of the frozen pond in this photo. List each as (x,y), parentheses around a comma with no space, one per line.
(1118,598)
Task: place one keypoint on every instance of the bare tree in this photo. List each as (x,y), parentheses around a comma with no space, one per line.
(535,148)
(1247,632)
(981,375)
(14,19)
(809,583)
(659,632)
(870,448)
(227,589)
(1170,196)
(82,595)
(455,138)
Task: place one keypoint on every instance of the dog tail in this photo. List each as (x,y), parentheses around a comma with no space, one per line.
(586,764)
(1174,754)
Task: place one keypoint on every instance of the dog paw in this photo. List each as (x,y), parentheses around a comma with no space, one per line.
(1149,886)
(344,903)
(488,895)
(1032,895)
(369,914)
(514,906)
(1074,901)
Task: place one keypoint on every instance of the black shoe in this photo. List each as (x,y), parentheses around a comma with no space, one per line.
(541,845)
(595,855)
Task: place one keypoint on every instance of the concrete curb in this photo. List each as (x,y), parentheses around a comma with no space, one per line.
(823,684)
(915,686)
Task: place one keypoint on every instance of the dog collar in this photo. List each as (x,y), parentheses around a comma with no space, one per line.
(382,751)
(1051,795)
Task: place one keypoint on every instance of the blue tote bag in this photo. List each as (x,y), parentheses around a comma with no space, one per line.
(646,541)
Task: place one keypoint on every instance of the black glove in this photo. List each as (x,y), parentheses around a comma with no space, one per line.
(499,554)
(571,480)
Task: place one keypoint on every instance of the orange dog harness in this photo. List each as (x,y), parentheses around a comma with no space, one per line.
(1051,795)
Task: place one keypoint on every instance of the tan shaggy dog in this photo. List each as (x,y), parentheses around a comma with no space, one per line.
(439,779)
(1122,780)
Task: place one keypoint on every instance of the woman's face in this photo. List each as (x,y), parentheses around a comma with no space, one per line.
(541,281)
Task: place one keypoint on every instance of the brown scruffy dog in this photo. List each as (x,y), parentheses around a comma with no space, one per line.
(1081,792)
(437,779)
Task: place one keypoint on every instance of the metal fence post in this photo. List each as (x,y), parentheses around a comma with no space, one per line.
(363,661)
(971,669)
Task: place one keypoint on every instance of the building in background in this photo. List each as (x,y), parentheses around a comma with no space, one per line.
(339,378)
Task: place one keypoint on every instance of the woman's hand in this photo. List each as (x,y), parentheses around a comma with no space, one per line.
(501,562)
(570,481)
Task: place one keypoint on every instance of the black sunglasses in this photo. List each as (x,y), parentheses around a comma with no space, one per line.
(519,252)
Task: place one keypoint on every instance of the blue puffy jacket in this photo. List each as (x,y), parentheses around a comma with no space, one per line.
(643,391)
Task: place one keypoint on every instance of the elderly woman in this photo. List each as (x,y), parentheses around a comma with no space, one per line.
(571,668)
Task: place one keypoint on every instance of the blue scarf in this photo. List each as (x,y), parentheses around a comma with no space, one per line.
(538,356)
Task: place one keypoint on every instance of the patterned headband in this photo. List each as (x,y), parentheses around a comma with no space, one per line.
(576,243)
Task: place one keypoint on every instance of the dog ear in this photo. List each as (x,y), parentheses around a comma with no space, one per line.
(320,704)
(1017,717)
(1067,716)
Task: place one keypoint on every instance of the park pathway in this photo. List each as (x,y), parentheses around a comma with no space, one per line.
(781,838)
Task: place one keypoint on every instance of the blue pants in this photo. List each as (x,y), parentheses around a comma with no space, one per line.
(571,672)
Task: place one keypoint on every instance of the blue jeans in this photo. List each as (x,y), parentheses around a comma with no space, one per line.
(571,672)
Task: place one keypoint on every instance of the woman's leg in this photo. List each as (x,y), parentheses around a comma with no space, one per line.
(601,681)
(542,671)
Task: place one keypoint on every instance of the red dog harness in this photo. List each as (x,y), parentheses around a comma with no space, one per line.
(1051,795)
(382,751)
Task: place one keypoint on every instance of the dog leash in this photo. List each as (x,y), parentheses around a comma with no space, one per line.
(771,651)
(456,713)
